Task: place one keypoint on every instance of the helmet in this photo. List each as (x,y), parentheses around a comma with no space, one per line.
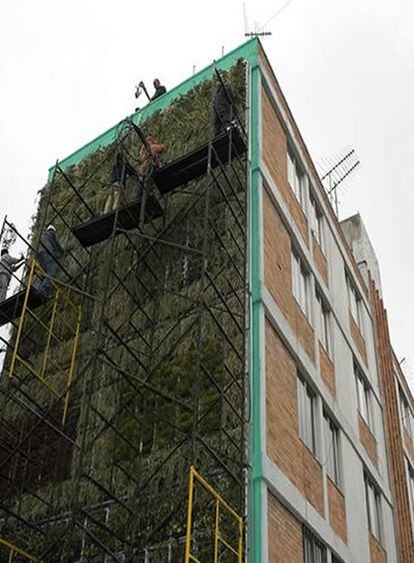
(50,228)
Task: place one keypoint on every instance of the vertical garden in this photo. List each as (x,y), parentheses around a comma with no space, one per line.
(159,382)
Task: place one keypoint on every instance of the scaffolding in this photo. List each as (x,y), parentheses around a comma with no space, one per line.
(139,351)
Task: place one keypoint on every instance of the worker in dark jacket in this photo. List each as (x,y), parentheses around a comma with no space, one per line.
(8,265)
(159,89)
(223,101)
(49,251)
(120,172)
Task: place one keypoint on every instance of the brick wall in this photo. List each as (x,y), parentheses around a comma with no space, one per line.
(358,338)
(264,64)
(327,370)
(394,434)
(275,158)
(285,534)
(337,513)
(284,446)
(367,440)
(378,554)
(278,274)
(320,260)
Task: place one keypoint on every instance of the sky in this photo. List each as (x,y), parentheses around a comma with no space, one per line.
(68,71)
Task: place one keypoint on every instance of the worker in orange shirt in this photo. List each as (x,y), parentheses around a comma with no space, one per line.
(149,153)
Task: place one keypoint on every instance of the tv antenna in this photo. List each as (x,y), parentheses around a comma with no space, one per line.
(340,168)
(259,31)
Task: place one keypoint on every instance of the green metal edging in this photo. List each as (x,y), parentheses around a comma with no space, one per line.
(245,51)
(255,244)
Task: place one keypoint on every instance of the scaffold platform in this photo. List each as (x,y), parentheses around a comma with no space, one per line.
(101,227)
(12,307)
(194,164)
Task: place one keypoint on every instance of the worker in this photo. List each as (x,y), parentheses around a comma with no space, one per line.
(8,265)
(159,89)
(49,252)
(120,172)
(147,154)
(223,101)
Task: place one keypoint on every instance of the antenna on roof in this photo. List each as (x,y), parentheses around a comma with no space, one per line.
(339,169)
(260,31)
(257,32)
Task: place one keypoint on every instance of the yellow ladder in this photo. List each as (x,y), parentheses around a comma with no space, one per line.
(220,503)
(13,550)
(72,322)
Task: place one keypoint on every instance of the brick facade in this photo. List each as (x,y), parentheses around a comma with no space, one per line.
(320,260)
(275,158)
(284,445)
(358,338)
(337,513)
(394,434)
(368,440)
(264,63)
(327,370)
(378,554)
(284,534)
(278,274)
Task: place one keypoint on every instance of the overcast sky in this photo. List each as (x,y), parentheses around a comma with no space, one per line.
(68,70)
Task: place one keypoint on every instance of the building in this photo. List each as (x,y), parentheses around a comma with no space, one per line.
(397,397)
(215,320)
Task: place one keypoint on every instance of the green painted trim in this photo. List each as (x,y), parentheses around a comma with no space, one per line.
(255,484)
(246,51)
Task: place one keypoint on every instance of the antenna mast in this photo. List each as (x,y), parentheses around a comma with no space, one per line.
(338,171)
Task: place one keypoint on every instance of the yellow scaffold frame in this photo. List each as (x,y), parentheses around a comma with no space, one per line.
(60,295)
(14,550)
(218,539)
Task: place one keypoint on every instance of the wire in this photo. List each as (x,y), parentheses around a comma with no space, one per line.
(285,5)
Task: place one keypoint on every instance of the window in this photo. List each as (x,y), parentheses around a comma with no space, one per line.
(296,179)
(323,323)
(373,500)
(364,397)
(300,284)
(336,559)
(406,416)
(313,550)
(307,415)
(332,454)
(410,479)
(355,304)
(316,222)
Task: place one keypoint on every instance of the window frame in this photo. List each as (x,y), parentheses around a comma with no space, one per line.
(301,284)
(374,509)
(317,221)
(355,303)
(310,544)
(308,408)
(405,412)
(297,183)
(364,397)
(332,450)
(410,485)
(324,322)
